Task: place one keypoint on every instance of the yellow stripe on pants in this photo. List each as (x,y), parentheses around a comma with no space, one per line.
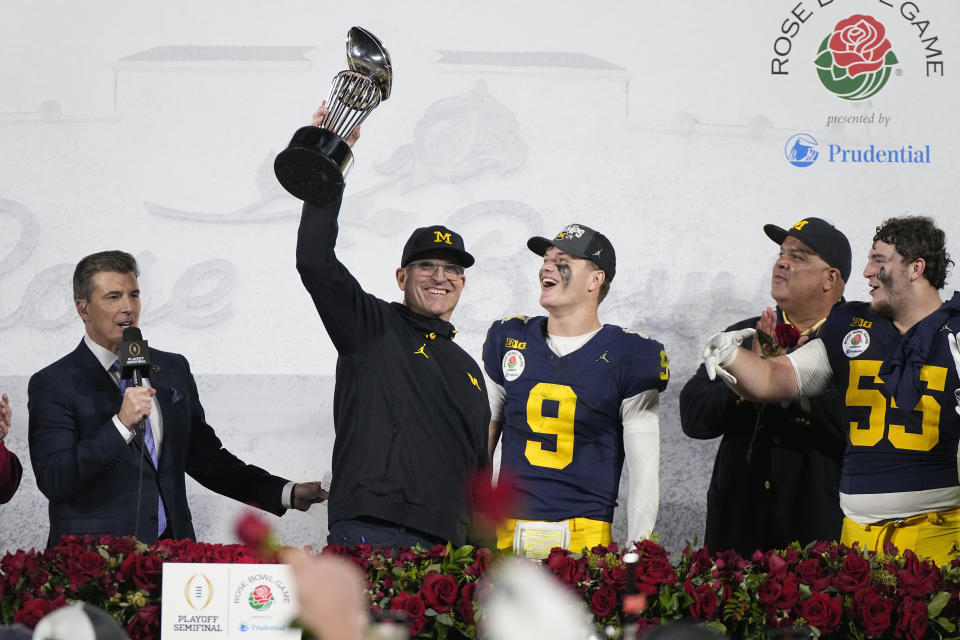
(933,536)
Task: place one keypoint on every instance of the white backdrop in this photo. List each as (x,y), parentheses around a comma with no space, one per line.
(152,127)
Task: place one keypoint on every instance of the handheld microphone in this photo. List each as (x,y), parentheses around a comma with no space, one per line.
(134,356)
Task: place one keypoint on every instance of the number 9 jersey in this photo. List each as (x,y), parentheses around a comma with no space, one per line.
(562,439)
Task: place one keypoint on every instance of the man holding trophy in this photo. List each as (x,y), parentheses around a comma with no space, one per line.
(410,407)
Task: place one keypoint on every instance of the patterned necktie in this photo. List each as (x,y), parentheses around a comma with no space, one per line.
(151,449)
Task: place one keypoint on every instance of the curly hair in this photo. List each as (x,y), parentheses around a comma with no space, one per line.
(918,237)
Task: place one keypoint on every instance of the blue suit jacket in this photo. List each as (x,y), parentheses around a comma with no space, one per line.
(90,474)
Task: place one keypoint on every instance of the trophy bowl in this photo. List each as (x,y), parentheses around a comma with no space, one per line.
(314,165)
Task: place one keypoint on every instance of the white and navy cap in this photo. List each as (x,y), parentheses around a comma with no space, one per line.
(580,241)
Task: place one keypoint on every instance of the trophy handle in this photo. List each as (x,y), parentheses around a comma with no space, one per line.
(314,164)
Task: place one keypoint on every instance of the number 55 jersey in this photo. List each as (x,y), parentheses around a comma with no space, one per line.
(562,439)
(901,402)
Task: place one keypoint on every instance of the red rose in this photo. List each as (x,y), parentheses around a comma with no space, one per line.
(413,606)
(567,570)
(912,622)
(700,560)
(494,504)
(776,565)
(704,600)
(479,566)
(32,610)
(144,570)
(859,44)
(809,571)
(872,611)
(656,571)
(437,552)
(787,335)
(253,531)
(439,591)
(822,611)
(240,554)
(615,576)
(82,565)
(145,624)
(919,578)
(826,549)
(650,549)
(603,602)
(465,603)
(779,593)
(854,573)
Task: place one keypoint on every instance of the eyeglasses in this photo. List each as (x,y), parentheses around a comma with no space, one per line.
(428,268)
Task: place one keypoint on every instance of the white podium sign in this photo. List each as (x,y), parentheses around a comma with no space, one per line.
(228,601)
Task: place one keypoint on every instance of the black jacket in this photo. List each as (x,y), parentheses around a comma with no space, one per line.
(776,475)
(410,406)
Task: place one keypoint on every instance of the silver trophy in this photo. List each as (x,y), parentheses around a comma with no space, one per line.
(315,163)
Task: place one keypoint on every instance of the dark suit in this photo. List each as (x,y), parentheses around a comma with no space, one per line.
(777,472)
(89,473)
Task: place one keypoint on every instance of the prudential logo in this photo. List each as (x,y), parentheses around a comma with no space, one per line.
(801,150)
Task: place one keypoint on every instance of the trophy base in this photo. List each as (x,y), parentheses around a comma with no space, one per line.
(313,165)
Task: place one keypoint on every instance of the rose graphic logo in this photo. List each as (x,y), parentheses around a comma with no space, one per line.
(260,598)
(854,61)
(857,339)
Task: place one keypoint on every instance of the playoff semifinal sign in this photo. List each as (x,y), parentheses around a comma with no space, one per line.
(204,600)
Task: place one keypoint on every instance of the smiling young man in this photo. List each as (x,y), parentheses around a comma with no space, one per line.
(571,398)
(896,362)
(774,483)
(103,475)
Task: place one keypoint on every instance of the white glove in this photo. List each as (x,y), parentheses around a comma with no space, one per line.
(952,339)
(721,350)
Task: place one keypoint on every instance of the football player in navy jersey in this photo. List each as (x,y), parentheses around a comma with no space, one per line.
(896,361)
(570,399)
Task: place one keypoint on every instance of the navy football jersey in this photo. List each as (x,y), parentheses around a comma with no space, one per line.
(893,448)
(562,439)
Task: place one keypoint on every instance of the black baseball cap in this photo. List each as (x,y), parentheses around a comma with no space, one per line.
(583,242)
(435,238)
(821,236)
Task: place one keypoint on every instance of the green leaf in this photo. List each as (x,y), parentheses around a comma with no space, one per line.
(430,612)
(838,73)
(824,60)
(946,624)
(444,618)
(890,58)
(937,603)
(805,590)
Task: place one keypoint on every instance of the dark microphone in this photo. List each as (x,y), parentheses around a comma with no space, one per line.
(134,356)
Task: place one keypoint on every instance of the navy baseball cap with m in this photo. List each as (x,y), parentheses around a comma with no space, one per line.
(435,238)
(825,239)
(580,241)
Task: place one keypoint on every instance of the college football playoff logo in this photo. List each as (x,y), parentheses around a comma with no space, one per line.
(854,61)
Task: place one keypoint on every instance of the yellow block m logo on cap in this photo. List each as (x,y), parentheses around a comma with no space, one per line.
(800,225)
(440,236)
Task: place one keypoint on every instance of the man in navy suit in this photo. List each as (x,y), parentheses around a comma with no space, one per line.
(89,460)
